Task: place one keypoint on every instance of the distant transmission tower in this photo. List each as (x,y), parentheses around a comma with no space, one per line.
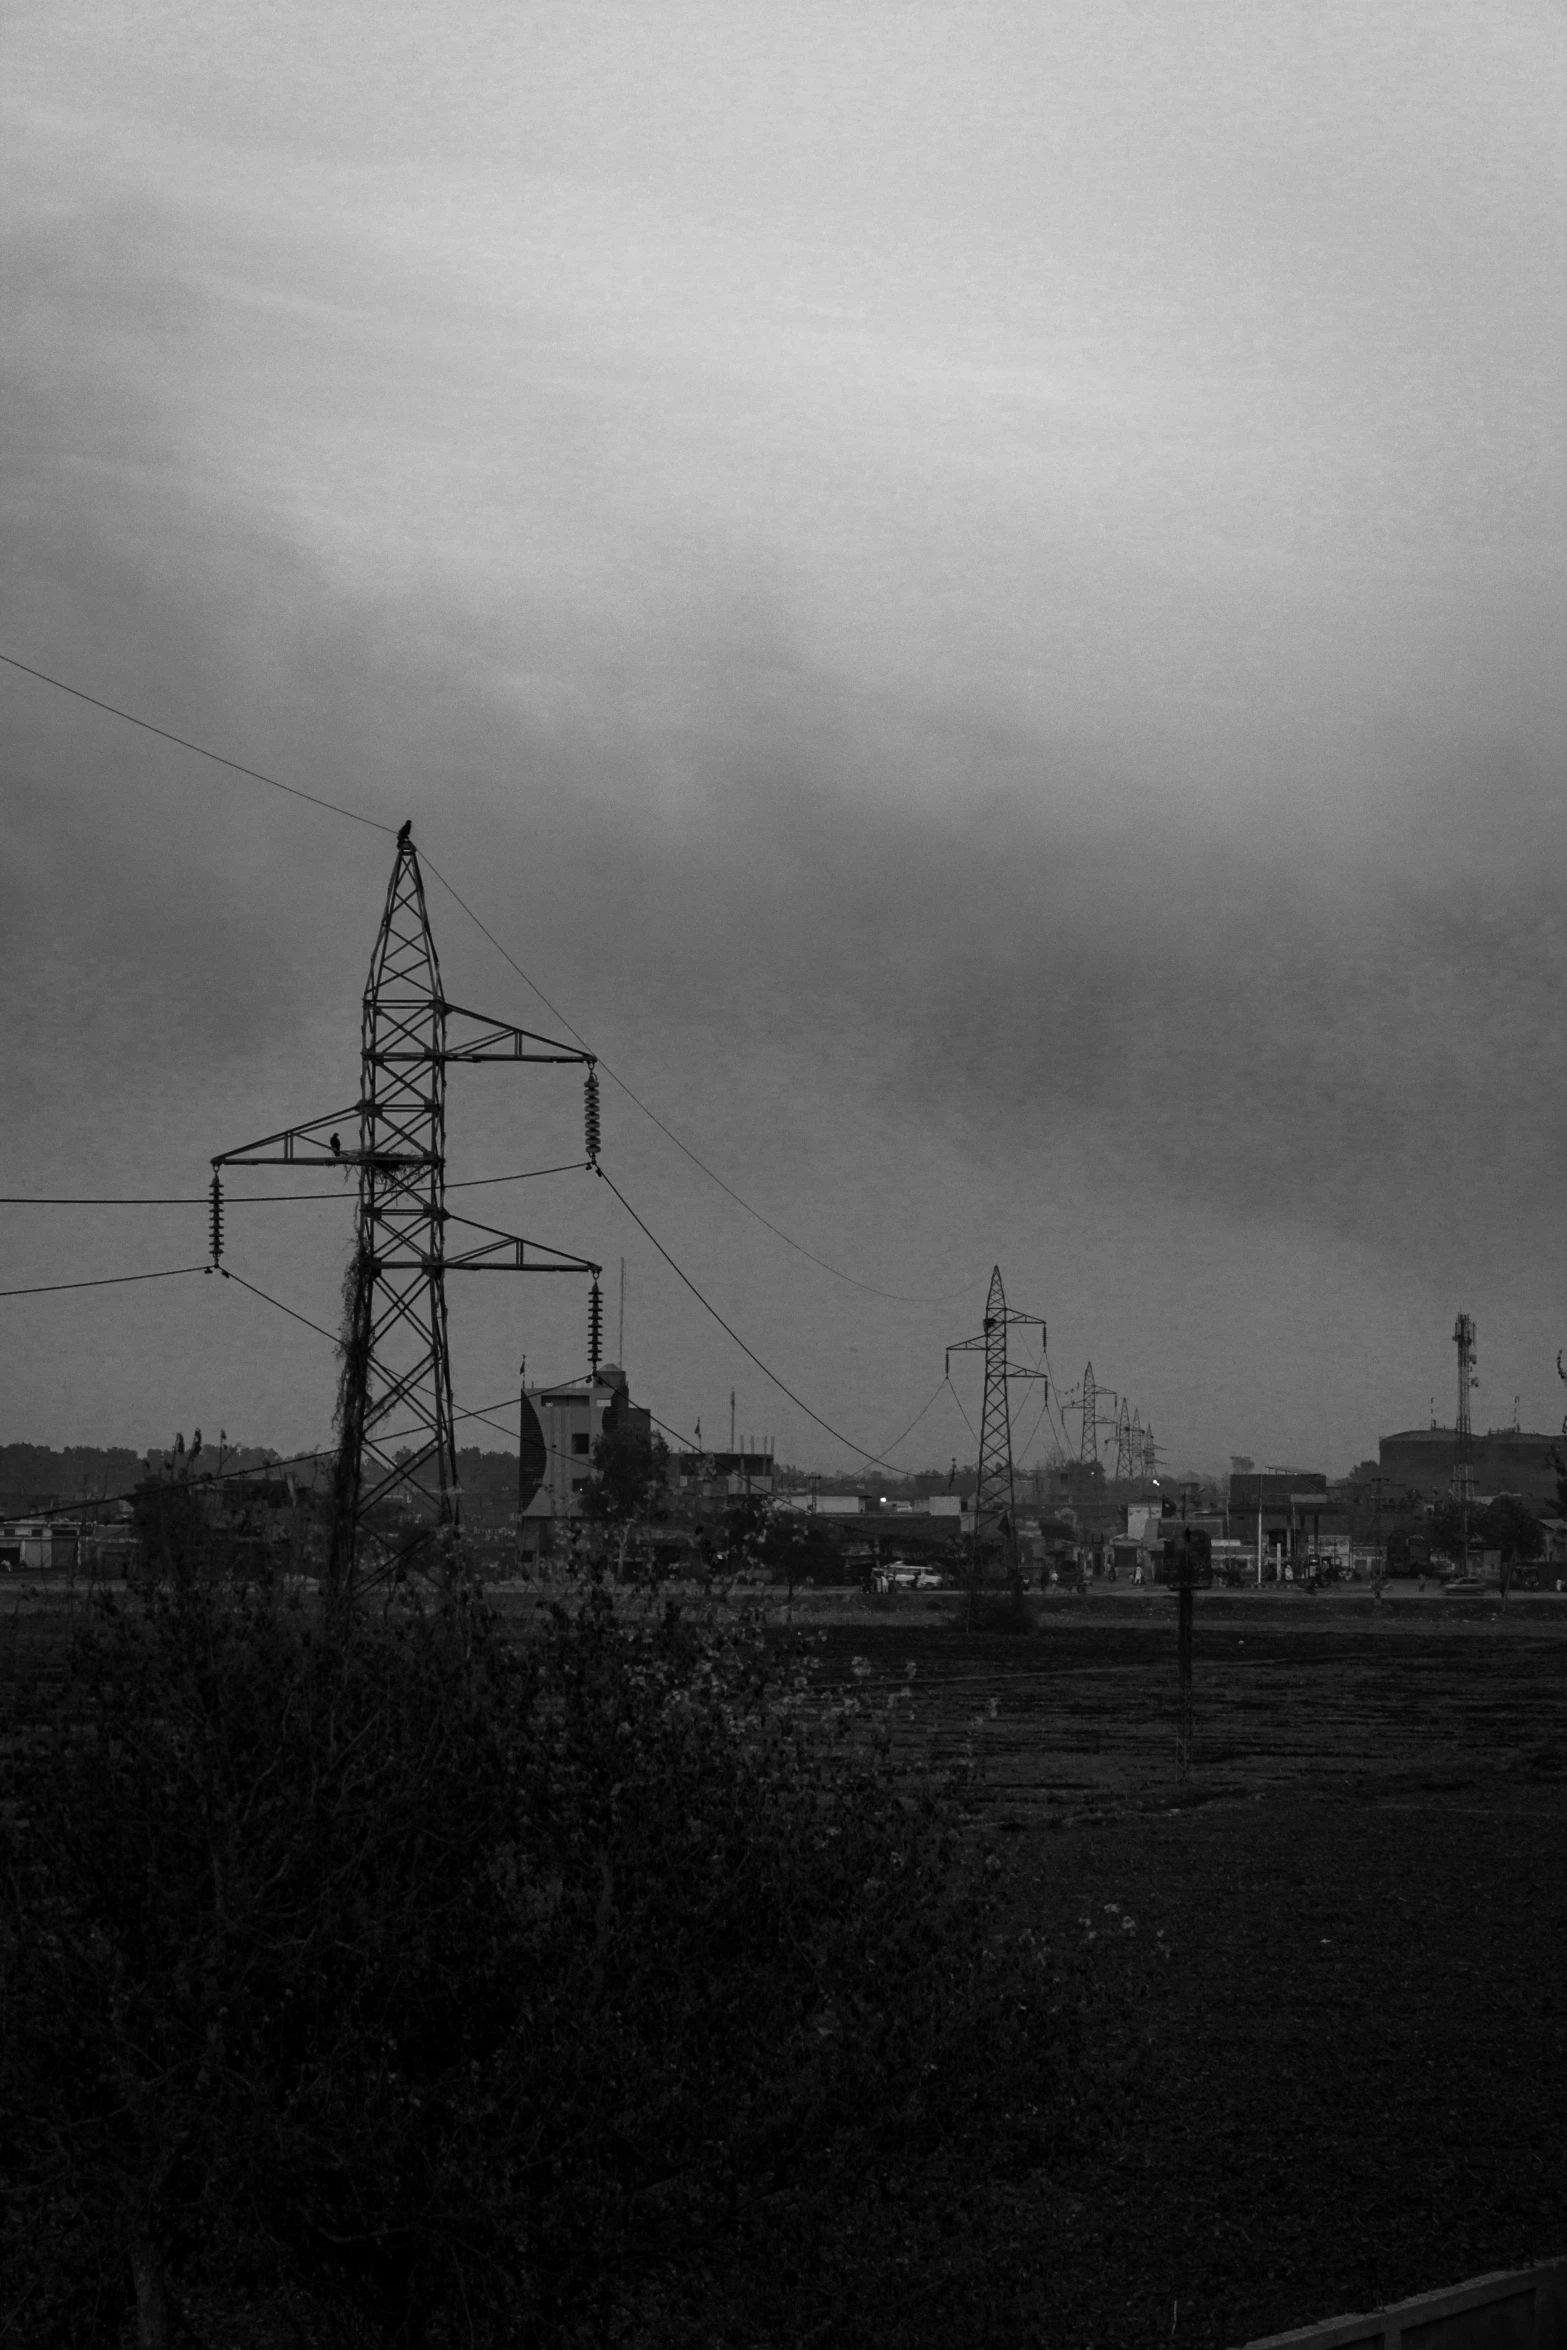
(1463,1438)
(1137,1445)
(995,1524)
(396,1475)
(1463,1446)
(1088,1399)
(1123,1442)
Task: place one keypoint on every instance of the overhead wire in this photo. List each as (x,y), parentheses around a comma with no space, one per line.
(104,1281)
(914,1423)
(375,824)
(293,791)
(294,1316)
(232,1199)
(894,1296)
(875,1460)
(237,766)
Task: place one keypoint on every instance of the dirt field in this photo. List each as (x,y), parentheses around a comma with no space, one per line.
(1354,2082)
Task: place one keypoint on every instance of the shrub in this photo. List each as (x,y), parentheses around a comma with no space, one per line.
(405,1984)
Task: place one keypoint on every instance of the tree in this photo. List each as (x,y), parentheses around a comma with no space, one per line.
(631,1468)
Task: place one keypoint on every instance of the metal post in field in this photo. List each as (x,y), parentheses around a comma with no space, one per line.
(1185,1565)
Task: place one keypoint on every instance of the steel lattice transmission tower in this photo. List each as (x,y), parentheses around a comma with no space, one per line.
(995,1521)
(396,1480)
(1463,1436)
(1088,1399)
(1123,1442)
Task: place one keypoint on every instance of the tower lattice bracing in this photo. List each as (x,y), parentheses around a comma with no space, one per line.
(397,1368)
(995,1518)
(1088,1404)
(1123,1442)
(994,1501)
(395,1482)
(1463,1435)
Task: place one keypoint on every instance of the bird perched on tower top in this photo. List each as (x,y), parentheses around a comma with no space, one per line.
(403,831)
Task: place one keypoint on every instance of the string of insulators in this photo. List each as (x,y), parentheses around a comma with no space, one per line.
(590,1108)
(215,1218)
(595,1325)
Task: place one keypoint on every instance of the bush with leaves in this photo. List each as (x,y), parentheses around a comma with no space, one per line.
(385,1981)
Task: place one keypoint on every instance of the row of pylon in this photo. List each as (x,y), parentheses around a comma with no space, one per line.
(1136,1454)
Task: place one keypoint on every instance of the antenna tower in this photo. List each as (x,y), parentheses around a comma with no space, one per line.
(1088,1397)
(995,1525)
(395,1487)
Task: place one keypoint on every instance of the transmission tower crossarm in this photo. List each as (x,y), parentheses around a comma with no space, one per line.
(499,1040)
(488,1256)
(284,1149)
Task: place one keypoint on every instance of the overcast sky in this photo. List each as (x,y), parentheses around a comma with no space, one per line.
(975,592)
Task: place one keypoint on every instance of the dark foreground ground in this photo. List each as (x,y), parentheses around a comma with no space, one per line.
(1353,2080)
(1336,1958)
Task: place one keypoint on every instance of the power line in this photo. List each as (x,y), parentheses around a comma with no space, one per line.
(193,1199)
(232,1199)
(107,1281)
(255,775)
(522,1175)
(334,807)
(328,1335)
(914,1423)
(962,1414)
(728,1328)
(897,1297)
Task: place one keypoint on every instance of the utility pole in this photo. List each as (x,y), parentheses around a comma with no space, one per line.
(397,1455)
(995,1523)
(1186,1577)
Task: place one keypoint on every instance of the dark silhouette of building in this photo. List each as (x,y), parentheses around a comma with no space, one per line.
(1503,1460)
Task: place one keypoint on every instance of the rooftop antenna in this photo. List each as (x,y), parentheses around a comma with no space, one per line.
(395,1484)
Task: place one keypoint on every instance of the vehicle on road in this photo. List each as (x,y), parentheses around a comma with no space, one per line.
(901,1575)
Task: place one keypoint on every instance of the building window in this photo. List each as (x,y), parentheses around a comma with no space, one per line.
(581,1444)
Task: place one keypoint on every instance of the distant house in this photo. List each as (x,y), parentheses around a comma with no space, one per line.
(38,1546)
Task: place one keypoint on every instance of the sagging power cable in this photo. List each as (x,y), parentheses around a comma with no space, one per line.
(875,1460)
(375,824)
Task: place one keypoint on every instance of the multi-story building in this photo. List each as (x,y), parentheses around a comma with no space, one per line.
(568,1421)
